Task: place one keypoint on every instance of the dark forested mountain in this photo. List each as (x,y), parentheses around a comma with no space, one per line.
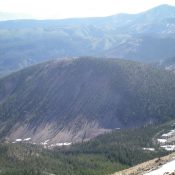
(148,36)
(74,100)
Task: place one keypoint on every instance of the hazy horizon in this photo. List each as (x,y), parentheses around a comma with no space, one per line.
(57,9)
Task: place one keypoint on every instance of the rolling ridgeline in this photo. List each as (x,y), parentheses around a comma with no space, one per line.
(147,36)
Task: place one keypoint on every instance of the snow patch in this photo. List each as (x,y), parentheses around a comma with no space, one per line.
(27,139)
(162,140)
(149,149)
(168,147)
(18,140)
(167,168)
(169,134)
(61,144)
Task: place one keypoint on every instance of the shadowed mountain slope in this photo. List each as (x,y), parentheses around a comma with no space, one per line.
(80,98)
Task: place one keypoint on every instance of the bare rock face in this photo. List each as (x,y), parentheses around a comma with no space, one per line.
(79,130)
(150,167)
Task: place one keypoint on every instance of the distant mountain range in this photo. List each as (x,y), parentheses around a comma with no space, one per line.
(147,36)
(78,99)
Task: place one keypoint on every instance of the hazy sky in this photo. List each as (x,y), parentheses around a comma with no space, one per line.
(78,8)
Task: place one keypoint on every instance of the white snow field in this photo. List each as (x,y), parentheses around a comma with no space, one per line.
(168,167)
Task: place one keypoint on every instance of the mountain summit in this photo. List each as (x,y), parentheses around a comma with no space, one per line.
(159,13)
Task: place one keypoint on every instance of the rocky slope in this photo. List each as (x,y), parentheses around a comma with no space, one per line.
(149,166)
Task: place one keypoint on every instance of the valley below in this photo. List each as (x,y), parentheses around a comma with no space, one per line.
(105,154)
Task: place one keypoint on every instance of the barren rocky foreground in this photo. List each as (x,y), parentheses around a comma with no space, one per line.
(148,166)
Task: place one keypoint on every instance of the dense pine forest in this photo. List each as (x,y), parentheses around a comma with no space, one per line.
(106,154)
